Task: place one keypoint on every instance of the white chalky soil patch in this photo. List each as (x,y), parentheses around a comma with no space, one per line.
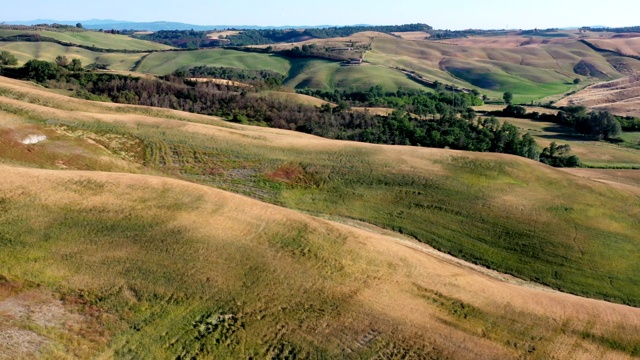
(33,139)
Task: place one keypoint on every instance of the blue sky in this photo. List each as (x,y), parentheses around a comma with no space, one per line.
(441,14)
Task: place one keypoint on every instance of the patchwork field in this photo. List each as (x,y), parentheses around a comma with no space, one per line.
(199,272)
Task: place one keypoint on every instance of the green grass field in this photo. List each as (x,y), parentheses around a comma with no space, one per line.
(592,153)
(168,62)
(49,51)
(328,75)
(529,72)
(92,38)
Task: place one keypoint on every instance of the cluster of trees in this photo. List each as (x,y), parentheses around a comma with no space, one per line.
(7,59)
(417,102)
(259,78)
(186,39)
(597,124)
(197,39)
(43,71)
(447,129)
(262,37)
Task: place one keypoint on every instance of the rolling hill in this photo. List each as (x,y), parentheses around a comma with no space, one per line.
(89,38)
(533,68)
(620,97)
(199,272)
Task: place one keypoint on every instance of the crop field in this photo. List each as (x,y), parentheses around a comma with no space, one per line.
(492,65)
(92,38)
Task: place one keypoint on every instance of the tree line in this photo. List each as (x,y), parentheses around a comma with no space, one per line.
(596,124)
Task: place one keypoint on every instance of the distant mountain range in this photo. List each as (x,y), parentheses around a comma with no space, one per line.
(153,26)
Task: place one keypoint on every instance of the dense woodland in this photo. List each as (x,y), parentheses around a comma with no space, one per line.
(445,128)
(257,78)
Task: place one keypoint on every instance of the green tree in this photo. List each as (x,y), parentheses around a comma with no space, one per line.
(75,65)
(576,81)
(41,71)
(7,58)
(62,60)
(79,26)
(599,124)
(508,97)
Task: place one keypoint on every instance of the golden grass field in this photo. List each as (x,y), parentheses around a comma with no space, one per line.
(625,45)
(620,97)
(448,308)
(195,271)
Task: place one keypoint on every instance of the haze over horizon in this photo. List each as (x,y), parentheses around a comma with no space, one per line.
(463,14)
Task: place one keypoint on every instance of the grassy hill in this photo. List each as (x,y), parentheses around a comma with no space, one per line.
(513,215)
(91,38)
(25,51)
(592,153)
(168,62)
(532,68)
(620,97)
(195,271)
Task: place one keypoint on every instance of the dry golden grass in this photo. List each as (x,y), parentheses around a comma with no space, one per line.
(622,45)
(389,286)
(395,283)
(501,42)
(222,34)
(620,97)
(413,35)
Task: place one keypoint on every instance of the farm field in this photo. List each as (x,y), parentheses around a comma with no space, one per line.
(623,45)
(49,51)
(197,271)
(164,63)
(92,38)
(620,97)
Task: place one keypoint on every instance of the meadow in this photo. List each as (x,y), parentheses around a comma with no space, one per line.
(598,154)
(91,38)
(199,272)
(507,213)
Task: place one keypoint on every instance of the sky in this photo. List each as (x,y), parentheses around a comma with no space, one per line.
(441,14)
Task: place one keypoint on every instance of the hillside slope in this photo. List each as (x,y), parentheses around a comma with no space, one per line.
(197,272)
(620,97)
(505,212)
